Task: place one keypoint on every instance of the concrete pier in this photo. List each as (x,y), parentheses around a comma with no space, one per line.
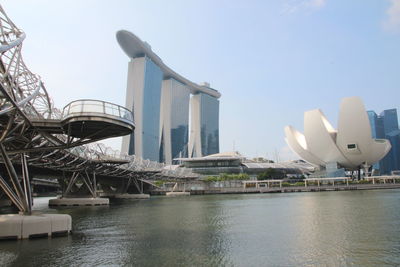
(16,226)
(132,196)
(79,202)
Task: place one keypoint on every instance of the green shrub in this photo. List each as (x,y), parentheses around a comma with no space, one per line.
(299,184)
(227,177)
(286,184)
(271,173)
(211,179)
(159,183)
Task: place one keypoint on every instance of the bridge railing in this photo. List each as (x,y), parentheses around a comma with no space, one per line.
(90,106)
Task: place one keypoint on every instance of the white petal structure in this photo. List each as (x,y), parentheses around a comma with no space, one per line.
(350,146)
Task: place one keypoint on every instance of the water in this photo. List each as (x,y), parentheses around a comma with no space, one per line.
(353,228)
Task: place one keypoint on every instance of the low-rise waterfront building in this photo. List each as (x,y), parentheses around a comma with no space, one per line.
(235,163)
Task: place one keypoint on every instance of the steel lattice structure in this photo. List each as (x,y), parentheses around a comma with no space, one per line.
(34,133)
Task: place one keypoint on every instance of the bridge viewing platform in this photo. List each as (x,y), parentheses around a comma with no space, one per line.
(88,118)
(96,119)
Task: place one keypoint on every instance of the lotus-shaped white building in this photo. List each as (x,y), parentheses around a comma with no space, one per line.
(351,146)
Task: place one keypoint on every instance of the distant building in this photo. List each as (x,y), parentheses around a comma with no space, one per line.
(235,163)
(385,125)
(160,99)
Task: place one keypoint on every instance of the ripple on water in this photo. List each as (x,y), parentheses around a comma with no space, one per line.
(298,229)
(7,258)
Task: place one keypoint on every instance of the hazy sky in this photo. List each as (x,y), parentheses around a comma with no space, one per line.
(271,60)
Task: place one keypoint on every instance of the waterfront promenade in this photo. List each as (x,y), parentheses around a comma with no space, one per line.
(235,188)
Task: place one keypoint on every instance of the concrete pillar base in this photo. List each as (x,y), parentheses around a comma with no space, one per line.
(16,226)
(107,195)
(132,196)
(177,194)
(79,202)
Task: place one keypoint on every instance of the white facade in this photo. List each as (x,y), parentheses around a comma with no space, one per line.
(143,98)
(133,100)
(195,127)
(351,146)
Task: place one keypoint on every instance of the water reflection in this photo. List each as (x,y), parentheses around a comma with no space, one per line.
(298,229)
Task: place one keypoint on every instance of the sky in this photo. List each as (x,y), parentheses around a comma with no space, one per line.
(271,60)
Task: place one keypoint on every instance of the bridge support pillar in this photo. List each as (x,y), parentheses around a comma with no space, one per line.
(79,201)
(138,185)
(26,224)
(17,226)
(74,194)
(19,195)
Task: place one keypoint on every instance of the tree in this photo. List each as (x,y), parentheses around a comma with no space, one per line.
(271,173)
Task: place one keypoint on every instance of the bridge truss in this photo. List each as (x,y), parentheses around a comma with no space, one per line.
(34,133)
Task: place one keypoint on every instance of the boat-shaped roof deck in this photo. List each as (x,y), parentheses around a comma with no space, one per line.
(134,47)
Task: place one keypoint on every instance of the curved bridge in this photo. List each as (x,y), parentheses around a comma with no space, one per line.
(34,133)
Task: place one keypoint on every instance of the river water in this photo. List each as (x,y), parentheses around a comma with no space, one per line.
(352,228)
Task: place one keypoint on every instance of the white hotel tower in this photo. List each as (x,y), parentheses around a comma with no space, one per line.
(160,99)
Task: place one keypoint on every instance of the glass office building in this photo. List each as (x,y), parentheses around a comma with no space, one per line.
(174,123)
(390,121)
(204,125)
(386,126)
(376,122)
(151,110)
(377,131)
(209,125)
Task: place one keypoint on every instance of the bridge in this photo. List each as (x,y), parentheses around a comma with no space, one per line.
(37,139)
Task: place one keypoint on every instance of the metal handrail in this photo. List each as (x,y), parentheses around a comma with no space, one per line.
(89,106)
